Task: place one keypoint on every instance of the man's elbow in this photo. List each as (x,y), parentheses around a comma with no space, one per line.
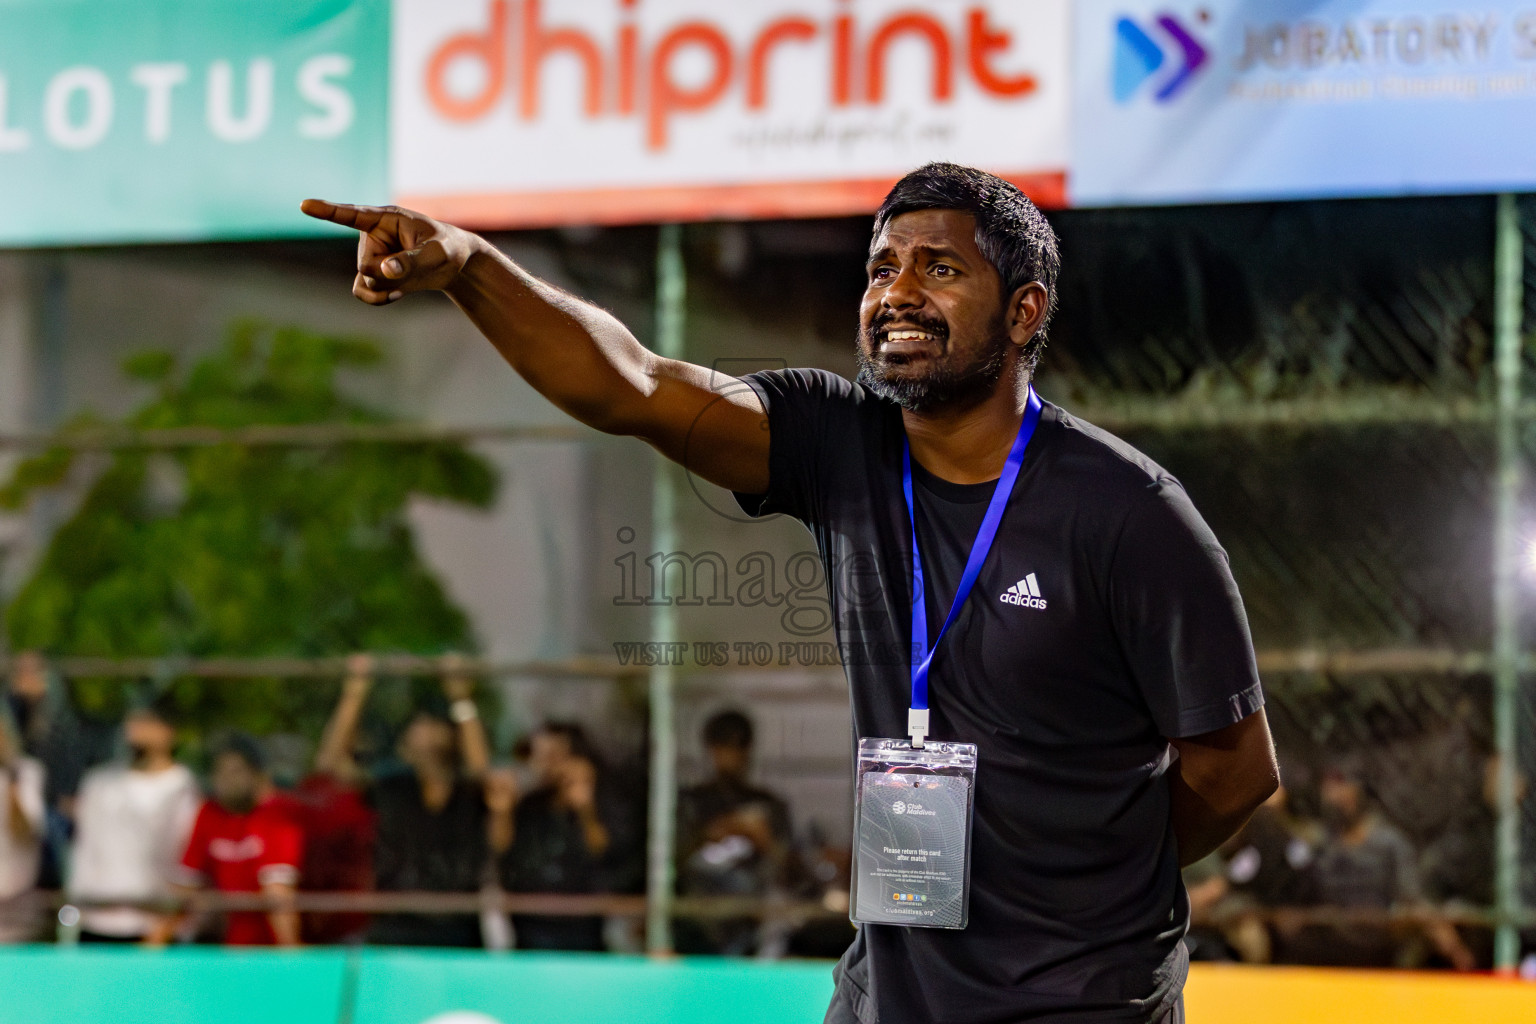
(1253,787)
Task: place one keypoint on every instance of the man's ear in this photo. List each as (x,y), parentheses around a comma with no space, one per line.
(1027,307)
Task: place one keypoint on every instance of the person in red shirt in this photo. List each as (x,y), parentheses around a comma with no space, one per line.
(245,839)
(339,823)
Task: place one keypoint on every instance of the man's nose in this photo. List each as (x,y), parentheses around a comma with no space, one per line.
(904,292)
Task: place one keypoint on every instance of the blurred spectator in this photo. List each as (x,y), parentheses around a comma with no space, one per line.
(1367,864)
(332,805)
(433,821)
(571,834)
(244,840)
(733,840)
(22,782)
(1267,864)
(50,730)
(1271,858)
(132,825)
(53,734)
(1205,882)
(1457,866)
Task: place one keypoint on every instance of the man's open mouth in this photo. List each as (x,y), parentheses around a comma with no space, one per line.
(903,341)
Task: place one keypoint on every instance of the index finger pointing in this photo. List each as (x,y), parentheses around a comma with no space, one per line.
(362,218)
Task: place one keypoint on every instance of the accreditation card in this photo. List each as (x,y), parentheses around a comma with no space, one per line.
(912,827)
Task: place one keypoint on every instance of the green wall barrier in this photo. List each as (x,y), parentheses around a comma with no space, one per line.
(204,985)
(89,985)
(411,987)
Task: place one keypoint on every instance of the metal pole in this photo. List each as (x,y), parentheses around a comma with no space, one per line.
(1509,273)
(671,298)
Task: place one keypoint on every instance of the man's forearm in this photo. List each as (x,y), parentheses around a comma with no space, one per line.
(284,922)
(578,356)
(1218,780)
(1200,827)
(570,351)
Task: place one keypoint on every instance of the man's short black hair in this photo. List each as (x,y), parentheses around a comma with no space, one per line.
(728,729)
(245,747)
(575,738)
(1011,232)
(161,708)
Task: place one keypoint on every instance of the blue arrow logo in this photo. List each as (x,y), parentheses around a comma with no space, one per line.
(1138,57)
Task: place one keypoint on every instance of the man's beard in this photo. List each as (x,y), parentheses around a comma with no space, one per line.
(946,385)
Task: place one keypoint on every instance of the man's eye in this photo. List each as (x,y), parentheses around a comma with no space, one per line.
(942,270)
(881,273)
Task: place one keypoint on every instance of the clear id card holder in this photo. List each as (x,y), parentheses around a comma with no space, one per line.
(912,834)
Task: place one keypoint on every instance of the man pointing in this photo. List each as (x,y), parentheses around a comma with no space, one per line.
(1074,618)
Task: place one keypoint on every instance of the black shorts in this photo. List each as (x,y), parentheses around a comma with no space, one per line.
(842,1010)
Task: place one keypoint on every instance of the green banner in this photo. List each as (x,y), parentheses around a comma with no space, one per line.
(180,120)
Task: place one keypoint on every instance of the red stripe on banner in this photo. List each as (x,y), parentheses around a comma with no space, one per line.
(501,210)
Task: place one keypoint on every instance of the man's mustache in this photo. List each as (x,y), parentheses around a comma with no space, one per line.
(932,324)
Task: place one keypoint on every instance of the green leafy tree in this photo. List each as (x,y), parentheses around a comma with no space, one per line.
(235,550)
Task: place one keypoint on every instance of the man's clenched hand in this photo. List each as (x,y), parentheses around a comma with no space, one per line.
(399,251)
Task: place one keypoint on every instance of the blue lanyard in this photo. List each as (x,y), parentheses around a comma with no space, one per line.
(922,650)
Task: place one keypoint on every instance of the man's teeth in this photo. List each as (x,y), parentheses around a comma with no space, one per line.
(909,336)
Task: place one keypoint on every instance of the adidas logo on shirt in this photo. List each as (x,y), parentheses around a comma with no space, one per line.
(1025,594)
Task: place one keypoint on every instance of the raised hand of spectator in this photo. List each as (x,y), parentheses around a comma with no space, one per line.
(457,683)
(459,687)
(334,757)
(360,673)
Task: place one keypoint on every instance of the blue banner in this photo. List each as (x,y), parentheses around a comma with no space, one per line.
(1240,99)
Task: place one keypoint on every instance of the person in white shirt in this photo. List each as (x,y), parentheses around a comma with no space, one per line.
(21,836)
(131,825)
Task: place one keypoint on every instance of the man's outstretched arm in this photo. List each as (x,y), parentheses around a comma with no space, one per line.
(578,356)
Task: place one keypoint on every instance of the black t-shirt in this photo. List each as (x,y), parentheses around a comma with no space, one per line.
(421,850)
(1104,622)
(550,854)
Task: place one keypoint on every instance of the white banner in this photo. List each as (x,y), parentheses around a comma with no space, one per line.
(519,113)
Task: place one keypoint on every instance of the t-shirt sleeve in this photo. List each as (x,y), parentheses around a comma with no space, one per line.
(1180,620)
(803,407)
(283,852)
